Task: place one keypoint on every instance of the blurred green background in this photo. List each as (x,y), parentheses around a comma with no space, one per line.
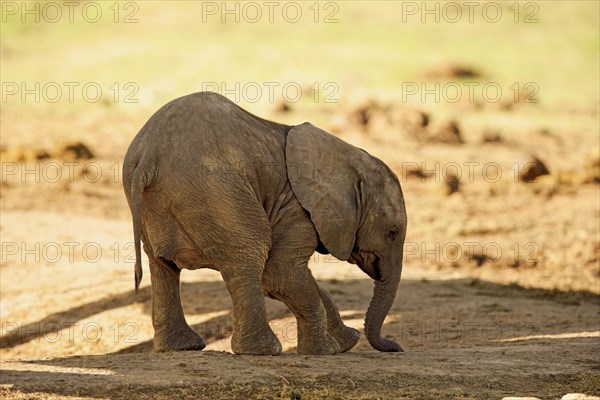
(172,48)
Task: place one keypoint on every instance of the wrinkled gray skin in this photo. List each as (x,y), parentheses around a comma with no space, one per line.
(213,186)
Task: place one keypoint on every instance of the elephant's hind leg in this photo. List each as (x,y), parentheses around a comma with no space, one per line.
(171,331)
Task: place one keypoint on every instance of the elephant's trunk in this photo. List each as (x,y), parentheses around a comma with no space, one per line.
(383,298)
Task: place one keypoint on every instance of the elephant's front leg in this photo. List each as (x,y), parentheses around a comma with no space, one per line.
(288,279)
(294,285)
(171,331)
(251,331)
(346,337)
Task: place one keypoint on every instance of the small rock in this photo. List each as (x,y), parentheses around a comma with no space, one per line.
(452,71)
(417,173)
(402,114)
(41,154)
(72,151)
(360,117)
(445,132)
(408,119)
(281,107)
(479,258)
(356,117)
(532,168)
(362,114)
(424,117)
(492,136)
(592,170)
(452,184)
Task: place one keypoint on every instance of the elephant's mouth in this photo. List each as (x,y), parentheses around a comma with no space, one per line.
(368,262)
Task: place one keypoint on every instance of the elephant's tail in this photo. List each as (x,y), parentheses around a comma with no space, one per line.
(137,188)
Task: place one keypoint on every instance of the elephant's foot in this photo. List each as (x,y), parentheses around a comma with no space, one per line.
(182,340)
(320,344)
(346,337)
(264,343)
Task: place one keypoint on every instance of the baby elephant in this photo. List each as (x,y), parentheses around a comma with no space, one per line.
(213,186)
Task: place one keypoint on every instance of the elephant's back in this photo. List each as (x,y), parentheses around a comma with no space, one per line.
(208,117)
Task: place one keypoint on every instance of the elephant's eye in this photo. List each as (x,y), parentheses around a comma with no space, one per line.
(391,235)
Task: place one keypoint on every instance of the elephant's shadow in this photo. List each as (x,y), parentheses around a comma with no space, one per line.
(352,297)
(209,297)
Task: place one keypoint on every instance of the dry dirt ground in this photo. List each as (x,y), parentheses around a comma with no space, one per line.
(499,297)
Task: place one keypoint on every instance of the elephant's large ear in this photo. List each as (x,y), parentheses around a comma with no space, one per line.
(321,170)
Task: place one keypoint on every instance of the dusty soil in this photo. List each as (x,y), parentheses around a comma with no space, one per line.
(499,297)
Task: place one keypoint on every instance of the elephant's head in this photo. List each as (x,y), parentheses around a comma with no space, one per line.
(356,205)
